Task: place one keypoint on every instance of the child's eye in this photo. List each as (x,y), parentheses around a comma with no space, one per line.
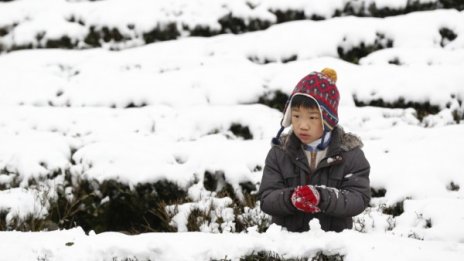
(296,116)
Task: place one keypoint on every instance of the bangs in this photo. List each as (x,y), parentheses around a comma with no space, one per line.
(303,101)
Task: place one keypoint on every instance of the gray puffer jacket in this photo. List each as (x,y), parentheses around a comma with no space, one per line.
(342,178)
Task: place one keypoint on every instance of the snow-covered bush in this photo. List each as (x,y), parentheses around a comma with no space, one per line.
(85,24)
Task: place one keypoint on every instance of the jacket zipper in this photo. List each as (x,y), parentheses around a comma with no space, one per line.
(313,161)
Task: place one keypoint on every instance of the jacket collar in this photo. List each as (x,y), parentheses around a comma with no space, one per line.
(340,142)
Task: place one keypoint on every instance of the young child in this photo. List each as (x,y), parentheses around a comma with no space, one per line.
(317,170)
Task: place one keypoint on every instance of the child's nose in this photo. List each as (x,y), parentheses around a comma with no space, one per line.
(305,125)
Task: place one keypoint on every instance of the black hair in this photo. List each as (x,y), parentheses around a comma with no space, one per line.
(303,101)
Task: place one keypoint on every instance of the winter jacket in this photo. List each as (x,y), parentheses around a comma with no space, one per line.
(342,179)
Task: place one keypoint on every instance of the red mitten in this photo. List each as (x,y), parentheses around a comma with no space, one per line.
(306,198)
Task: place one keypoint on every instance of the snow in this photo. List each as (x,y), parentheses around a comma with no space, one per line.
(33,154)
(416,56)
(217,207)
(22,204)
(74,244)
(195,66)
(164,111)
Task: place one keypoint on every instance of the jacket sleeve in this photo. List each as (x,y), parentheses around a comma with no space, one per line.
(273,192)
(354,193)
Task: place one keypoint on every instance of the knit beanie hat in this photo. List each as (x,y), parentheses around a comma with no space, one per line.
(319,86)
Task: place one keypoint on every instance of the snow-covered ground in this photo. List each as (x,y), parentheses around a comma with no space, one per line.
(83,23)
(164,111)
(74,244)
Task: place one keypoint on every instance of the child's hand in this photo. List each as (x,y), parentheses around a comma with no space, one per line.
(306,198)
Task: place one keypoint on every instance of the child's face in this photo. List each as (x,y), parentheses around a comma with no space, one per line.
(307,124)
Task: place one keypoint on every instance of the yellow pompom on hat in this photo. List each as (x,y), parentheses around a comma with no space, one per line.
(331,73)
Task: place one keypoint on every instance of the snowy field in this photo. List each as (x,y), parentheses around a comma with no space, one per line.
(166,111)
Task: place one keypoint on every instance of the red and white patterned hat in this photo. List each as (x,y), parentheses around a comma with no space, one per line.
(320,86)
